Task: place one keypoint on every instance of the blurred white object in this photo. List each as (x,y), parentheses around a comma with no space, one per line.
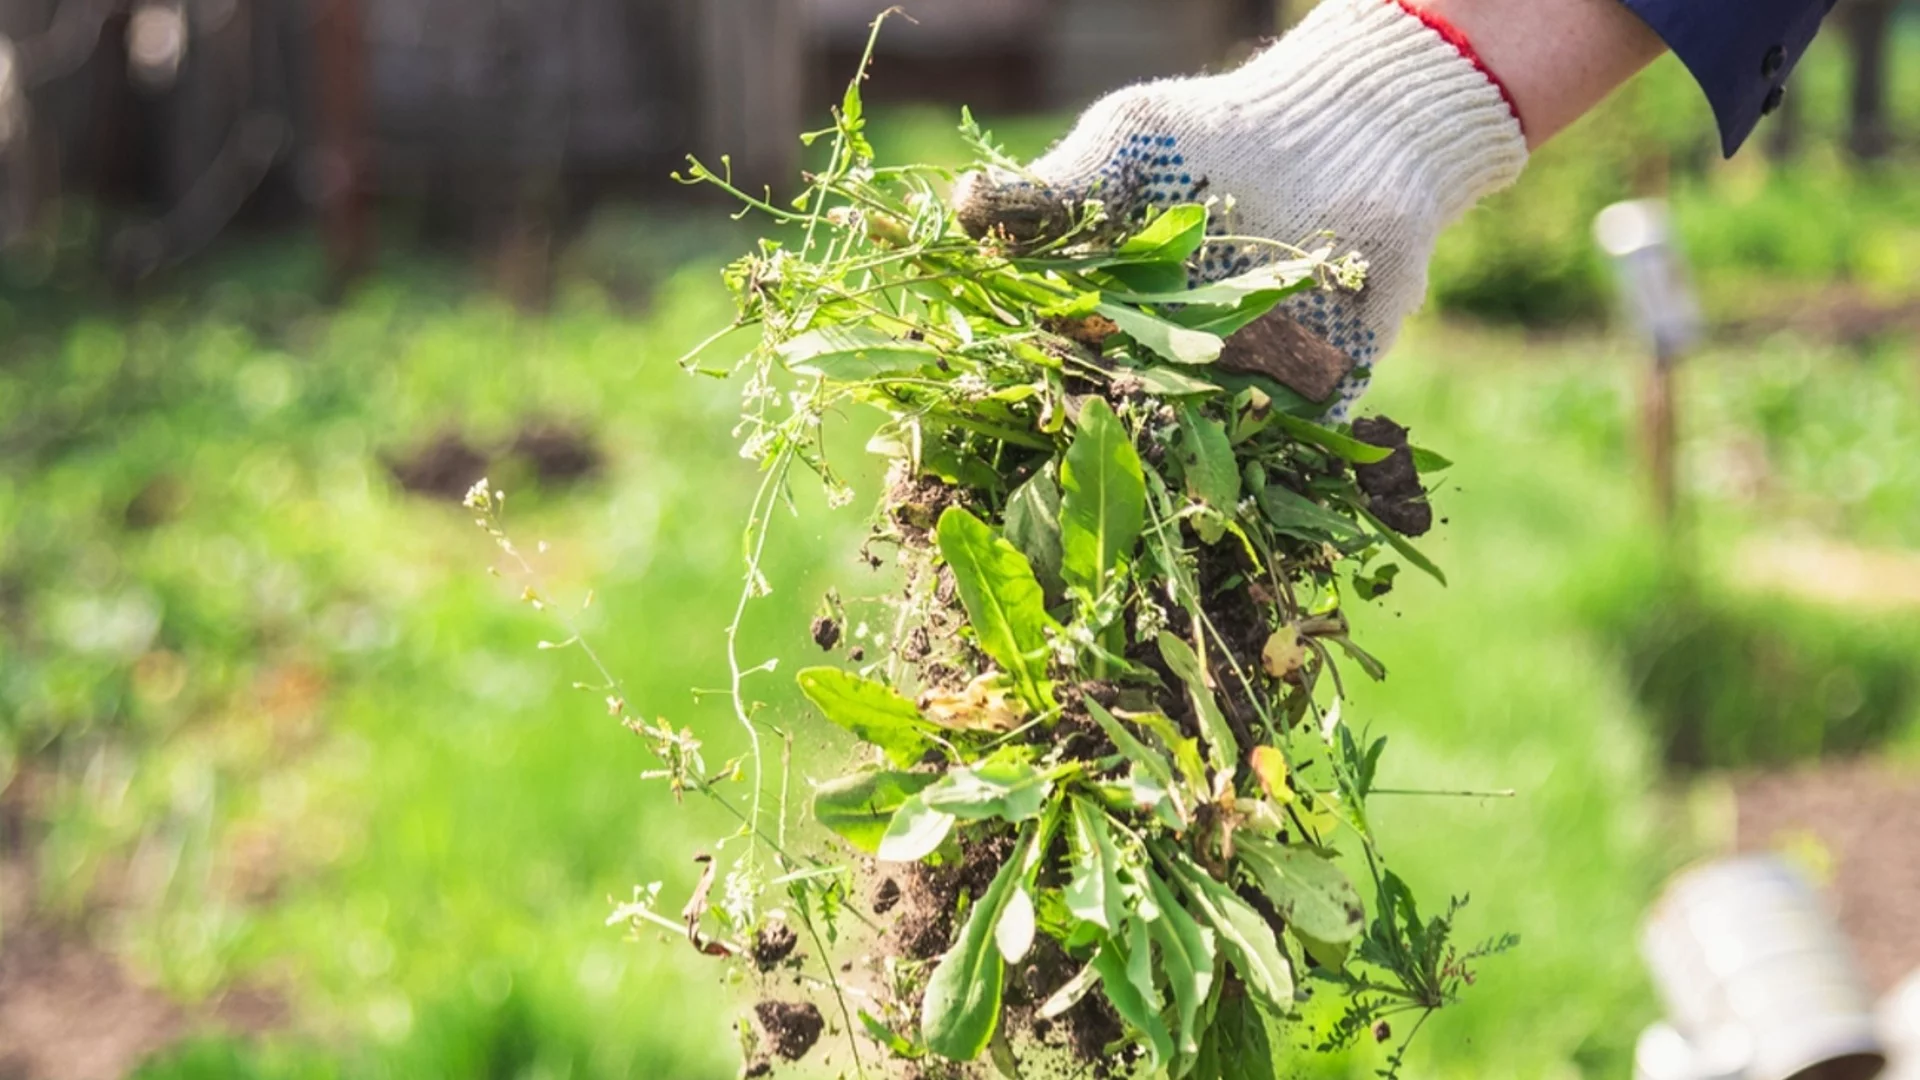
(156,44)
(1900,1029)
(1664,1054)
(1652,276)
(12,110)
(1750,964)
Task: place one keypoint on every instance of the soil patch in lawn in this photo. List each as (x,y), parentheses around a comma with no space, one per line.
(1860,818)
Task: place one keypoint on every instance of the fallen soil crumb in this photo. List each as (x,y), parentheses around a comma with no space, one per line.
(789,1027)
(1858,817)
(886,897)
(772,945)
(826,632)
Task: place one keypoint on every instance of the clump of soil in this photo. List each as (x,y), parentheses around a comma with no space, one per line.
(772,944)
(886,896)
(789,1028)
(559,453)
(555,453)
(915,505)
(1393,486)
(932,894)
(826,632)
(1082,1034)
(444,468)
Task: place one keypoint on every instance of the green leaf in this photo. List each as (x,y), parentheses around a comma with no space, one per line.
(1164,381)
(1223,750)
(1002,787)
(1426,461)
(1300,516)
(1079,307)
(1401,545)
(915,832)
(1244,935)
(1094,893)
(896,1043)
(1004,602)
(1186,958)
(1326,438)
(1310,893)
(961,1007)
(872,711)
(855,353)
(1164,337)
(1033,526)
(1172,237)
(1153,761)
(1206,457)
(1104,499)
(1013,934)
(861,806)
(1276,279)
(1139,1011)
(937,458)
(1139,277)
(1237,1046)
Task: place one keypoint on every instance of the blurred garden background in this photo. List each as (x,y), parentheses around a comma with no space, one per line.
(288,789)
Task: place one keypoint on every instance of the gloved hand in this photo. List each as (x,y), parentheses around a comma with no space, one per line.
(1367,120)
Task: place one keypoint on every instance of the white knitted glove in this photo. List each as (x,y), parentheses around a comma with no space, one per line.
(1367,120)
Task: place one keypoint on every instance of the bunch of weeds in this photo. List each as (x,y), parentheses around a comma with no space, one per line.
(1107,714)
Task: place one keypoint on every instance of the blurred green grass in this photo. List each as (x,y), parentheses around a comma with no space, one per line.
(280,722)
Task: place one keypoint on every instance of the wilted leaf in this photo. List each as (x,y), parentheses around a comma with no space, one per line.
(961,1006)
(872,711)
(1269,767)
(1284,652)
(982,706)
(1003,599)
(1104,499)
(860,807)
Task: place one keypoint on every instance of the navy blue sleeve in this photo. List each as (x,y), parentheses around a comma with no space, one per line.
(1740,51)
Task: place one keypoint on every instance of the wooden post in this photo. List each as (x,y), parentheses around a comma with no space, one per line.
(1656,294)
(1869,26)
(752,75)
(344,153)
